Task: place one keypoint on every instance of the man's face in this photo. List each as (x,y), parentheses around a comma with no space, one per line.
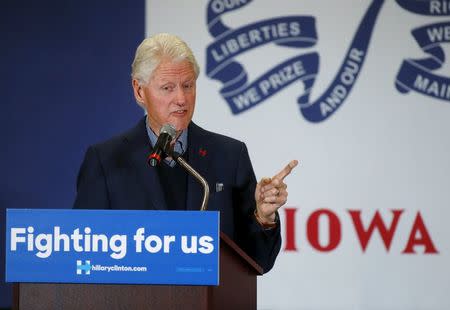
(169,97)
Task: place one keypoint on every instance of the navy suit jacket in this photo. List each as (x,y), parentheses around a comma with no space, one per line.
(115,175)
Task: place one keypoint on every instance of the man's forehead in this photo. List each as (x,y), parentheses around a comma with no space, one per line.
(169,70)
(169,66)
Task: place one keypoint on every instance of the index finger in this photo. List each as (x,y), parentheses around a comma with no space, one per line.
(286,170)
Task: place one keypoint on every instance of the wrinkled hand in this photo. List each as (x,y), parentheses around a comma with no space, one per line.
(271,194)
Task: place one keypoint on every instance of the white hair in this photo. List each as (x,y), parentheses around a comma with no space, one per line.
(154,49)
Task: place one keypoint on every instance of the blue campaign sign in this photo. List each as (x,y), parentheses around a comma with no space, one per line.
(104,246)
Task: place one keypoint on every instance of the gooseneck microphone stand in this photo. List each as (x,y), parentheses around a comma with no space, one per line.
(180,160)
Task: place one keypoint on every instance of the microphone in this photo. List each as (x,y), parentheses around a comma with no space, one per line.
(161,148)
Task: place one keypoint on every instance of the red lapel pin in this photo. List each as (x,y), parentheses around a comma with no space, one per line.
(202,152)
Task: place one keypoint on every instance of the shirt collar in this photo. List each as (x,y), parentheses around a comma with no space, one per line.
(179,147)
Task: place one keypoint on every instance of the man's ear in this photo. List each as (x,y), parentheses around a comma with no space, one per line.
(138,91)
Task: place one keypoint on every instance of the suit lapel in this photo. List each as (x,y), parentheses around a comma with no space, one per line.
(199,160)
(141,148)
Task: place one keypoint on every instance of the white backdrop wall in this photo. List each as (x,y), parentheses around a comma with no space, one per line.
(382,151)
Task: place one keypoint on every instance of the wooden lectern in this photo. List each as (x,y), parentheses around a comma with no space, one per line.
(237,290)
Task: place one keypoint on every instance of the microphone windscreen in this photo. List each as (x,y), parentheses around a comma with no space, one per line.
(169,129)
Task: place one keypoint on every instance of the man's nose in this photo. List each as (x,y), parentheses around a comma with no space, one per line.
(180,96)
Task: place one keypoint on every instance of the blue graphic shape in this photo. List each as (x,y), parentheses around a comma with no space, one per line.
(289,31)
(303,68)
(426,7)
(242,95)
(333,98)
(232,43)
(90,240)
(215,10)
(84,267)
(416,74)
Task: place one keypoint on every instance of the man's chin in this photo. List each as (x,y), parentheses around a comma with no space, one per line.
(180,126)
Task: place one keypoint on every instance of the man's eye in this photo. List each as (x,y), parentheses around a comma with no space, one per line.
(167,88)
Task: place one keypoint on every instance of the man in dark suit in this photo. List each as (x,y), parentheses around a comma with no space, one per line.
(115,174)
